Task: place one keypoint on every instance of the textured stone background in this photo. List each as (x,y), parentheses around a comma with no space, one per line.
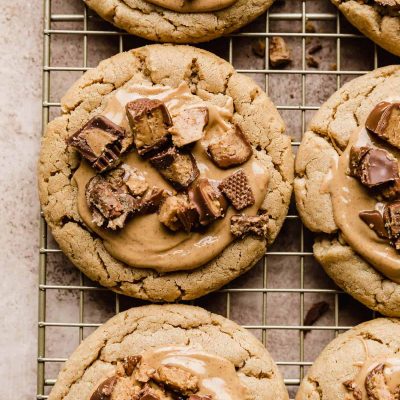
(20,122)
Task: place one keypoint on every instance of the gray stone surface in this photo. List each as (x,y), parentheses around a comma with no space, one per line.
(20,122)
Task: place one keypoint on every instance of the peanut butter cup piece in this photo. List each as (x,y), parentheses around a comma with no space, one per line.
(152,200)
(231,149)
(132,178)
(130,363)
(179,168)
(178,213)
(242,225)
(351,386)
(237,189)
(200,397)
(393,5)
(105,389)
(176,379)
(391,217)
(391,191)
(100,142)
(208,200)
(384,121)
(149,120)
(189,126)
(374,220)
(375,384)
(372,166)
(109,201)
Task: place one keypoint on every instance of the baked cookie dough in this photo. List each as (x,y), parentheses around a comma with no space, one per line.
(179,21)
(169,352)
(377,19)
(337,194)
(361,364)
(132,252)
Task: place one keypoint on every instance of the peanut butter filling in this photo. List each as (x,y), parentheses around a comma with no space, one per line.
(193,6)
(349,198)
(143,242)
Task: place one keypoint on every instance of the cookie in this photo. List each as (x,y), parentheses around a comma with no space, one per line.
(179,21)
(139,354)
(362,363)
(150,221)
(340,197)
(377,19)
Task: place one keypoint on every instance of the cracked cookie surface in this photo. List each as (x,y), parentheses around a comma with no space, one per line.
(340,366)
(210,78)
(327,137)
(141,329)
(379,23)
(152,22)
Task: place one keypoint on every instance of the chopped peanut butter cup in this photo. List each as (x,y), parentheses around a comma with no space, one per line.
(100,142)
(373,166)
(105,389)
(391,217)
(208,200)
(149,120)
(177,167)
(189,126)
(384,121)
(243,224)
(231,149)
(374,220)
(237,189)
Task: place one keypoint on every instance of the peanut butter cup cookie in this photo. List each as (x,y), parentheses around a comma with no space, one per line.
(347,188)
(179,21)
(361,364)
(170,352)
(377,19)
(167,174)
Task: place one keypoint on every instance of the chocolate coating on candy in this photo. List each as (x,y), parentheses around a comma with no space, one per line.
(231,149)
(384,121)
(373,166)
(100,142)
(209,202)
(105,389)
(149,120)
(374,220)
(391,217)
(237,189)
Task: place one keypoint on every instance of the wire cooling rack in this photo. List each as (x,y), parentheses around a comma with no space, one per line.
(272,299)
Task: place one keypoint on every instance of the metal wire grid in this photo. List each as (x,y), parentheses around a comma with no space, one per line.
(82,288)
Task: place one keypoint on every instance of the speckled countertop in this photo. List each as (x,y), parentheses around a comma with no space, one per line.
(20,122)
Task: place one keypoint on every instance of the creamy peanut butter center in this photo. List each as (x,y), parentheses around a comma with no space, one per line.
(193,6)
(350,198)
(143,241)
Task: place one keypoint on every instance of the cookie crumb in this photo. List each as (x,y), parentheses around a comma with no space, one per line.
(258,47)
(279,52)
(311,61)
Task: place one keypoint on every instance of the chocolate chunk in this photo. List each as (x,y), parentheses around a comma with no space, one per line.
(384,121)
(105,389)
(177,213)
(279,53)
(189,126)
(351,386)
(177,379)
(374,220)
(151,201)
(109,201)
(243,224)
(375,384)
(149,120)
(209,202)
(375,166)
(180,172)
(237,189)
(316,311)
(100,142)
(130,363)
(231,149)
(391,217)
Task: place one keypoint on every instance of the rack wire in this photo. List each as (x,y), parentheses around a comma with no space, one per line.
(271,300)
